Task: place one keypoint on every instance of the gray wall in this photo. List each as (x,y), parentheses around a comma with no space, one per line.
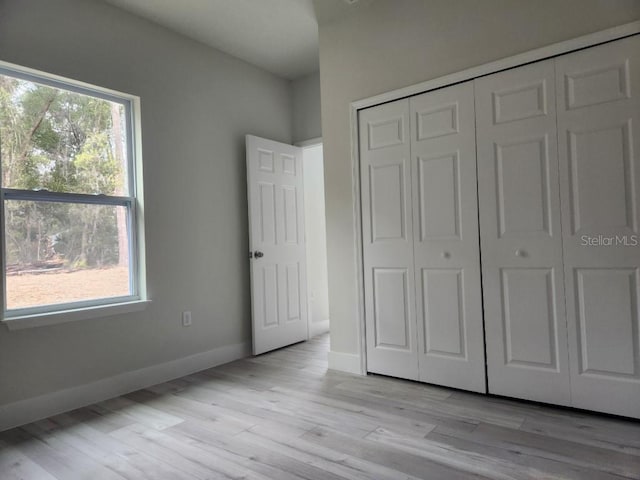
(306,107)
(197,104)
(392,44)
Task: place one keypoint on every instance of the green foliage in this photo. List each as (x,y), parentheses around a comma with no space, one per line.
(59,141)
(96,167)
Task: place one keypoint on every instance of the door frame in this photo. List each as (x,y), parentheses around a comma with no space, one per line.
(550,51)
(312,142)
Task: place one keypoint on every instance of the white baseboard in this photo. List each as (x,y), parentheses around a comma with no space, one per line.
(318,328)
(43,406)
(345,362)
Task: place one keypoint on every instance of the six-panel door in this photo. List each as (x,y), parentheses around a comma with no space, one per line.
(387,239)
(599,147)
(446,245)
(276,238)
(521,236)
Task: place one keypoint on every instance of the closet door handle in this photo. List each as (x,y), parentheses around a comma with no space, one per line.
(446,255)
(521,253)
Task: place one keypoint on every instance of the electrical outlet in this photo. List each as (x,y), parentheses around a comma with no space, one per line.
(186,319)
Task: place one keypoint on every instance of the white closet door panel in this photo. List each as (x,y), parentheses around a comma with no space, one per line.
(446,245)
(599,147)
(387,229)
(519,205)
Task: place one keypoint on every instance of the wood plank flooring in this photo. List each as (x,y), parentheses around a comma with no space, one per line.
(282,415)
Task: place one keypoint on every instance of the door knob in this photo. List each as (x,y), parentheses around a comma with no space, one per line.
(446,255)
(521,253)
(258,254)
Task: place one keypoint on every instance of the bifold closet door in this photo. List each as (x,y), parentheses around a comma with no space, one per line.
(599,148)
(387,239)
(446,244)
(519,204)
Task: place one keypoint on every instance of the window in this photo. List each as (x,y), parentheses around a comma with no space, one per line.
(69,195)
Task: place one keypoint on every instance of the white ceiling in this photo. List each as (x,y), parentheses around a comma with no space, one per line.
(280,36)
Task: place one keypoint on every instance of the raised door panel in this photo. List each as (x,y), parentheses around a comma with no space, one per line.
(607,307)
(288,164)
(386,132)
(607,82)
(526,100)
(529,318)
(446,244)
(599,147)
(391,309)
(437,121)
(522,187)
(444,333)
(439,196)
(387,194)
(387,234)
(603,197)
(519,207)
(293,301)
(290,214)
(266,295)
(267,220)
(266,162)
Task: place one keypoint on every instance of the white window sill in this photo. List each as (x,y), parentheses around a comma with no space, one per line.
(55,318)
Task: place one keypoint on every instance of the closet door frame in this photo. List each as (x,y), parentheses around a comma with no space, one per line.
(544,53)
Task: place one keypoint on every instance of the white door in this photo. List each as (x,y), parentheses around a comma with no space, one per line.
(446,244)
(599,151)
(276,240)
(387,231)
(521,235)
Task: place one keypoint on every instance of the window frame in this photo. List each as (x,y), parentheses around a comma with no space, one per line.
(25,317)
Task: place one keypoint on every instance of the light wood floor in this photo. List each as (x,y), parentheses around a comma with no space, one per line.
(284,416)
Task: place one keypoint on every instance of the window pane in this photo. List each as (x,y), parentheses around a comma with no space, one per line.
(61,141)
(65,252)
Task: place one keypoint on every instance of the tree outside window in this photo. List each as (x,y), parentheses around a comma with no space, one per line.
(68,196)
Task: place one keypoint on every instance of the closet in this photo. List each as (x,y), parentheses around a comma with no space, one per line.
(501,215)
(421,250)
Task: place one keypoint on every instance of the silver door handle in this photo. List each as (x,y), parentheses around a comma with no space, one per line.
(521,253)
